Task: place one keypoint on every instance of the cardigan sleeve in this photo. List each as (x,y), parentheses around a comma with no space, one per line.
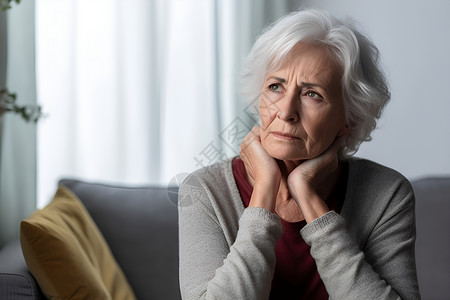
(383,269)
(211,268)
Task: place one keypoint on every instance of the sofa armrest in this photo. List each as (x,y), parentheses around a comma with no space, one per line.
(433,236)
(16,282)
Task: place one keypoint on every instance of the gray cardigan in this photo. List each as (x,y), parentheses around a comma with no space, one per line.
(227,251)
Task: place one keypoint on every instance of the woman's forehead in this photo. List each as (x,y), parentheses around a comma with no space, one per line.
(308,62)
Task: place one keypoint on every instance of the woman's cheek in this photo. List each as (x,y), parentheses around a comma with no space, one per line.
(264,122)
(267,110)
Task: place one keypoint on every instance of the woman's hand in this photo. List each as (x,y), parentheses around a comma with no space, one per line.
(307,179)
(262,170)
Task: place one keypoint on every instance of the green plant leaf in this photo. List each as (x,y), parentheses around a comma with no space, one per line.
(27,112)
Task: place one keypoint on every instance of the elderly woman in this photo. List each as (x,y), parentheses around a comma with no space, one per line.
(295,216)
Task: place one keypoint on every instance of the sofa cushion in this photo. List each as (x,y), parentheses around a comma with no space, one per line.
(67,254)
(16,281)
(140,225)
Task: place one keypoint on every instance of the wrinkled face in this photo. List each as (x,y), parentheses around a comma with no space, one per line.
(301,105)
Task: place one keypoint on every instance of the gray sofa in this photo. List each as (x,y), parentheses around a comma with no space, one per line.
(140,226)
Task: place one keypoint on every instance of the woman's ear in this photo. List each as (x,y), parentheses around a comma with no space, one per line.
(344,131)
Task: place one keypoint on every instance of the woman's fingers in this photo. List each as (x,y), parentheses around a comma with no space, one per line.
(258,163)
(315,170)
(252,136)
(304,182)
(262,169)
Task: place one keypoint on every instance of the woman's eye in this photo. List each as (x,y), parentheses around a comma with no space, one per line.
(313,95)
(275,87)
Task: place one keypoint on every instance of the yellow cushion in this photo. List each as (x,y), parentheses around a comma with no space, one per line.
(68,255)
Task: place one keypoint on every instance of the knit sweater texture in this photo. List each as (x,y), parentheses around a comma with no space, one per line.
(227,251)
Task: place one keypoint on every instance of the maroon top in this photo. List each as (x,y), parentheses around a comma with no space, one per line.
(296,275)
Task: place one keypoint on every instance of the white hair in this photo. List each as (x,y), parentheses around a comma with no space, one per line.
(364,88)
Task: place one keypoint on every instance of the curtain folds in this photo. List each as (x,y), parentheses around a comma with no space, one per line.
(18,138)
(140,91)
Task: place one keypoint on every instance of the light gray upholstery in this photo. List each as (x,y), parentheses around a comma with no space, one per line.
(16,282)
(140,225)
(433,236)
(141,228)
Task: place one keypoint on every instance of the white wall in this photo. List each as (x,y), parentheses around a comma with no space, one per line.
(414,40)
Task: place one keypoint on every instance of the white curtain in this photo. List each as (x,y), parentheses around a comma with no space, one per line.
(17,137)
(139,91)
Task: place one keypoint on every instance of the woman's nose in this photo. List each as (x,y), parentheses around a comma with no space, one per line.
(288,108)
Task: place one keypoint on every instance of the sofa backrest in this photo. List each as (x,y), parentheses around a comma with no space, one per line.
(433,236)
(140,225)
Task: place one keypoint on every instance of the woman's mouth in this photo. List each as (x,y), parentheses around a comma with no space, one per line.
(284,136)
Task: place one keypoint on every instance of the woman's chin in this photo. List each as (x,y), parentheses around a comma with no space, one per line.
(286,154)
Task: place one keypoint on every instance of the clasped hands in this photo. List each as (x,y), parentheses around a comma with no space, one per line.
(304,179)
